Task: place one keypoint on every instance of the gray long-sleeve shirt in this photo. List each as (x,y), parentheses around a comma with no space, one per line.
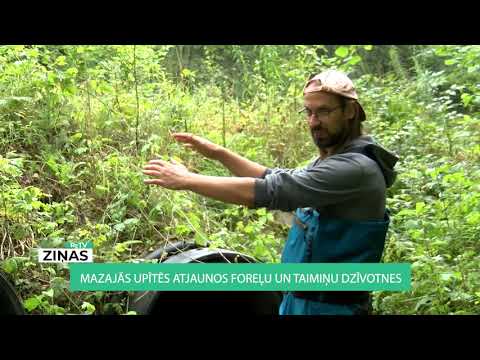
(346,185)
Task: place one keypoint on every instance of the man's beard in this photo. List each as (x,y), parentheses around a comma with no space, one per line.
(329,140)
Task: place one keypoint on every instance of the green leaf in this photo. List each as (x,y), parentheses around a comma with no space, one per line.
(457,275)
(419,207)
(341,51)
(368,47)
(92,84)
(473,218)
(446,276)
(200,240)
(119,227)
(89,308)
(61,60)
(10,266)
(48,293)
(59,283)
(131,222)
(450,62)
(57,310)
(81,150)
(411,224)
(261,212)
(406,212)
(249,229)
(121,247)
(100,189)
(36,204)
(466,99)
(354,60)
(31,303)
(187,73)
(71,72)
(194,220)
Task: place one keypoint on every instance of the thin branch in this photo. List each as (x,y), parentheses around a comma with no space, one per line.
(136,94)
(179,59)
(71,300)
(1,246)
(223,124)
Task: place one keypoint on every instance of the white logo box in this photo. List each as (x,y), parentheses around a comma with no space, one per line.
(65,255)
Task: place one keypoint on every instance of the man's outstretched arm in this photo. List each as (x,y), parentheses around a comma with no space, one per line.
(238,165)
(240,191)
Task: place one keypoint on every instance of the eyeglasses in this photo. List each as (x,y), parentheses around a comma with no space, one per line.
(320,113)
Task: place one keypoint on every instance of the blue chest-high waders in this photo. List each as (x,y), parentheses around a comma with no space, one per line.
(317,239)
(314,238)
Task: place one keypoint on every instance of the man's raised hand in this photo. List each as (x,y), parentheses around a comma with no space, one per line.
(199,144)
(170,175)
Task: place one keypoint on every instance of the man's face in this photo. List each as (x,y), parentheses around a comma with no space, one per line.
(327,120)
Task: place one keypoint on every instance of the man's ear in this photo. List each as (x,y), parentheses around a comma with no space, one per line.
(351,109)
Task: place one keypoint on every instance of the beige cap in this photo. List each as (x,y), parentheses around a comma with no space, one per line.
(336,82)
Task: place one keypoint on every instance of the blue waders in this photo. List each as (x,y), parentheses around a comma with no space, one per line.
(313,239)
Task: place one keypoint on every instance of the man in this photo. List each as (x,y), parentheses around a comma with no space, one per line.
(338,199)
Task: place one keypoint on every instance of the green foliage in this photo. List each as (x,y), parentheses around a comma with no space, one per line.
(70,169)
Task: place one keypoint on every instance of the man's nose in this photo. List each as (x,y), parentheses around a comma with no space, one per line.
(314,121)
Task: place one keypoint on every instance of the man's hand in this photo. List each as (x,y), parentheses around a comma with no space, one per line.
(175,176)
(199,144)
(172,175)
